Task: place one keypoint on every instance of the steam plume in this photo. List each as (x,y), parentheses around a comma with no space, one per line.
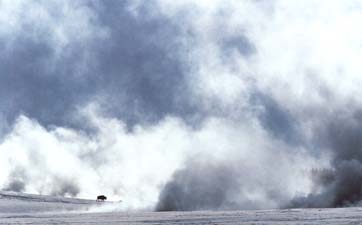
(183,105)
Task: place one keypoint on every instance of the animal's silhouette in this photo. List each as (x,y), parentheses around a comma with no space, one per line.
(101,198)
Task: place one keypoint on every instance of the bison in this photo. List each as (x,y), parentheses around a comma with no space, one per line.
(101,198)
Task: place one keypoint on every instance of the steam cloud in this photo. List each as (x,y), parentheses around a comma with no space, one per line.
(341,185)
(182,105)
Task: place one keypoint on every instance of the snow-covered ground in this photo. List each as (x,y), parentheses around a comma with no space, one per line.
(33,209)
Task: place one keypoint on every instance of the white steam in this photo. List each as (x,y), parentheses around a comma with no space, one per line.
(127,166)
(305,55)
(133,166)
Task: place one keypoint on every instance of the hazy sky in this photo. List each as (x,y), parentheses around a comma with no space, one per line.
(183,105)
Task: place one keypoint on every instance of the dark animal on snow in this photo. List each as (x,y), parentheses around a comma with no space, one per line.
(101,198)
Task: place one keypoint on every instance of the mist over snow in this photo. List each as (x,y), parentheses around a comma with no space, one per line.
(183,105)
